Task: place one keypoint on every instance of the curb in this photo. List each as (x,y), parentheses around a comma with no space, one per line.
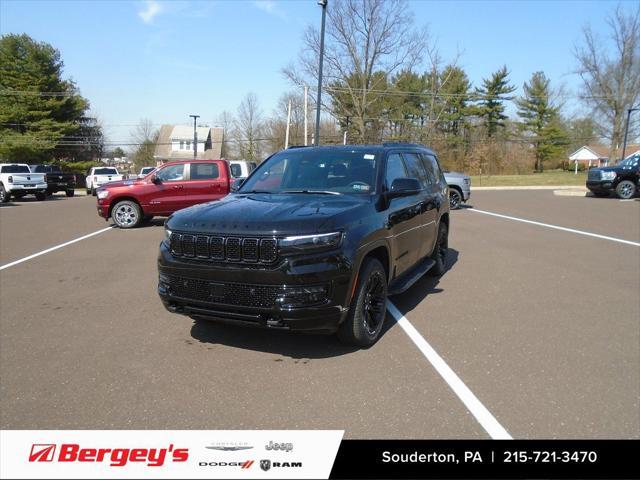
(534,187)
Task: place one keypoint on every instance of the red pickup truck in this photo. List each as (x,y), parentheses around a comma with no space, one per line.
(169,188)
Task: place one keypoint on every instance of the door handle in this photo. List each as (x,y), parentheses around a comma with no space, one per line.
(176,187)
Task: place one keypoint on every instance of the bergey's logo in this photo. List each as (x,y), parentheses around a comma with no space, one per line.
(42,452)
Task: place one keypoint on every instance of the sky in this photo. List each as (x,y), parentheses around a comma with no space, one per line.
(166,60)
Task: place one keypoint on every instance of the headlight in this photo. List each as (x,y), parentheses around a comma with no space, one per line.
(102,194)
(167,235)
(467,181)
(608,175)
(303,243)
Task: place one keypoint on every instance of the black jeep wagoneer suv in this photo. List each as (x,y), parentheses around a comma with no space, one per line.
(313,240)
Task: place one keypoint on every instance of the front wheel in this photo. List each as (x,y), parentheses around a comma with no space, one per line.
(368,310)
(70,193)
(439,254)
(40,196)
(455,199)
(626,189)
(126,214)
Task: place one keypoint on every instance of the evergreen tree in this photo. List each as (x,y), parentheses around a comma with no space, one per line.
(38,108)
(454,92)
(540,119)
(491,95)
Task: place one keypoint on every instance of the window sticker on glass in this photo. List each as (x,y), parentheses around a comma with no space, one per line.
(368,156)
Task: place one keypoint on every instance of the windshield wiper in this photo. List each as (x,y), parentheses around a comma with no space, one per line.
(322,192)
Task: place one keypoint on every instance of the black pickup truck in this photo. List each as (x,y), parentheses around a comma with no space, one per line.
(623,179)
(56,180)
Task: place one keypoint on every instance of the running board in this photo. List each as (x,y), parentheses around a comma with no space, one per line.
(405,281)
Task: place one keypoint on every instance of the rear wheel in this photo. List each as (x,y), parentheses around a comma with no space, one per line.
(40,196)
(126,214)
(439,254)
(93,191)
(4,196)
(364,323)
(626,189)
(70,193)
(455,198)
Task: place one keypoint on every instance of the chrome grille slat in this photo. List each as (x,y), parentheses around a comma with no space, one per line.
(219,248)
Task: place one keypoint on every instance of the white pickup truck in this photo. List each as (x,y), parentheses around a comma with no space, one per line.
(98,176)
(16,180)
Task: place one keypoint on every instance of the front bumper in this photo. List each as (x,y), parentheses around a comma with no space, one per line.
(251,304)
(601,186)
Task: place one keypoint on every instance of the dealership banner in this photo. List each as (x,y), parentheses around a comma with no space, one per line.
(168,454)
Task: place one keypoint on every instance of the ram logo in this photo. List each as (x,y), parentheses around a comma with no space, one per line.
(265,464)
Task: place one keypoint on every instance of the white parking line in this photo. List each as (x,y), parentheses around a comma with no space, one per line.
(54,248)
(556,227)
(477,409)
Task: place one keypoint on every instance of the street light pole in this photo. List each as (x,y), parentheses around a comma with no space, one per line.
(323,4)
(626,130)
(195,136)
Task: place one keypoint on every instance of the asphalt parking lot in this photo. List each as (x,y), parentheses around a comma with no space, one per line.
(540,324)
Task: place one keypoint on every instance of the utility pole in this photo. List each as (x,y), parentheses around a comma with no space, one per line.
(323,4)
(286,135)
(306,96)
(626,130)
(195,136)
(344,139)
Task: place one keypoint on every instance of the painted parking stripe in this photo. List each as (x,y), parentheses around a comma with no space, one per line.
(477,409)
(556,227)
(54,248)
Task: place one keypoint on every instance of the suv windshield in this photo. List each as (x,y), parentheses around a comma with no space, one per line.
(305,170)
(630,162)
(105,171)
(15,169)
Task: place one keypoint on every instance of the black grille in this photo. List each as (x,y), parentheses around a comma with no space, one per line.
(236,294)
(231,249)
(593,175)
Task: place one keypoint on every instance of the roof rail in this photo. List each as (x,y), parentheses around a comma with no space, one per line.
(299,146)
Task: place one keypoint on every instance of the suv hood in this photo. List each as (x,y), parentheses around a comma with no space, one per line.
(454,175)
(121,183)
(271,214)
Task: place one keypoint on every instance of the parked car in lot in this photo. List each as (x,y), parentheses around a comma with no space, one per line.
(459,188)
(241,168)
(623,179)
(56,180)
(171,187)
(99,176)
(314,240)
(144,171)
(16,180)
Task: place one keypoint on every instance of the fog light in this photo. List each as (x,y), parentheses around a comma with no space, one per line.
(302,296)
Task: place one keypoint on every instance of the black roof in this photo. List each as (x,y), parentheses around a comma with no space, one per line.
(367,147)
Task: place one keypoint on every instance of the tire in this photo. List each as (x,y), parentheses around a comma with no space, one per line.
(626,189)
(88,191)
(455,198)
(439,254)
(93,191)
(4,195)
(126,214)
(70,193)
(40,196)
(364,323)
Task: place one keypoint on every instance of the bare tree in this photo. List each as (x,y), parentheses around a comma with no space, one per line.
(249,129)
(226,121)
(366,41)
(145,137)
(612,82)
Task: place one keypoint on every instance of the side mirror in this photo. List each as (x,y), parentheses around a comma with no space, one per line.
(236,184)
(155,179)
(404,187)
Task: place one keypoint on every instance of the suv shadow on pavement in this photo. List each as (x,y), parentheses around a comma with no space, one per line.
(308,346)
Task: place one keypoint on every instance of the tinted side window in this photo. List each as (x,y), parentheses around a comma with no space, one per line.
(204,171)
(395,169)
(416,168)
(236,170)
(432,166)
(173,173)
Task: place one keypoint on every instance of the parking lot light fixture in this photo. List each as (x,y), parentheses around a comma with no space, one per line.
(323,4)
(195,136)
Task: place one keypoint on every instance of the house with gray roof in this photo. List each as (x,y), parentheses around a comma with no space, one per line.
(175,142)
